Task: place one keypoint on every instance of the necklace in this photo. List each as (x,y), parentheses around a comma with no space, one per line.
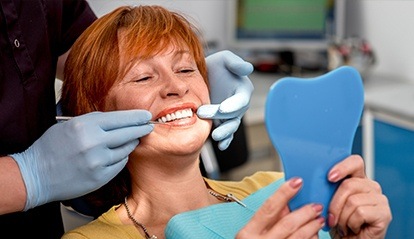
(138,224)
(228,198)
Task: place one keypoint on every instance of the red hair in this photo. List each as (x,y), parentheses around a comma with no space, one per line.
(93,65)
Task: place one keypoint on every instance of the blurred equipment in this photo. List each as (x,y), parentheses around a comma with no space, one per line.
(285,36)
(355,52)
(214,162)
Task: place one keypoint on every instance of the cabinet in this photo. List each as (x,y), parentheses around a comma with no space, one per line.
(388,146)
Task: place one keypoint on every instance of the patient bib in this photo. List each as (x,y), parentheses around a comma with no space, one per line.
(221,221)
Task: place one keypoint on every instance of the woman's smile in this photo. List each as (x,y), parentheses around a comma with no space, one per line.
(179,114)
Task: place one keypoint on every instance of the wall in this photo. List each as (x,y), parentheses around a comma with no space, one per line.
(387,24)
(208,15)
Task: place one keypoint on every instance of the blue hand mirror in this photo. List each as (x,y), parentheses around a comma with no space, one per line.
(311,123)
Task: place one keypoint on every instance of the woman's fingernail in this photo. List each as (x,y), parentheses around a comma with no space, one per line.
(295,182)
(334,176)
(318,208)
(331,220)
(321,220)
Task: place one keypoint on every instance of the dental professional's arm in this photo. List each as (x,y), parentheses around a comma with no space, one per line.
(12,186)
(12,189)
(230,93)
(71,159)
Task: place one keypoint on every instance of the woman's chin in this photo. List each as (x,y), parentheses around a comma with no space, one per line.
(172,144)
(186,146)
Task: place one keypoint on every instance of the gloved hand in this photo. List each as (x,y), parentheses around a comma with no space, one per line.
(80,155)
(230,93)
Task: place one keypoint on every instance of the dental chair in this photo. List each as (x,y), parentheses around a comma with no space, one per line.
(221,162)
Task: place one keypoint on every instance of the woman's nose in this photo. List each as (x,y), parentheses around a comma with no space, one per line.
(174,86)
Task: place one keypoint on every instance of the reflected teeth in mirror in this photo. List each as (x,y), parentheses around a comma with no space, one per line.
(180,114)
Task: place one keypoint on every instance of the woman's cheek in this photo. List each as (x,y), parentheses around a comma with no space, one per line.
(205,99)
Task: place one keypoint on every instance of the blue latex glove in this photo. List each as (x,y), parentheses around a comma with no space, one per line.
(230,93)
(78,156)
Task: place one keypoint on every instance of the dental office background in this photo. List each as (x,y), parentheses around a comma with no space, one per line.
(388,125)
(387,24)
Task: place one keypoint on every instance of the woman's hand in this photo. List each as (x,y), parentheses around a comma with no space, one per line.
(274,220)
(358,208)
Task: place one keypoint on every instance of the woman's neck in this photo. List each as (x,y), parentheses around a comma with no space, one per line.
(170,184)
(158,193)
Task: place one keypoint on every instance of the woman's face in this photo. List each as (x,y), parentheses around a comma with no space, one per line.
(170,86)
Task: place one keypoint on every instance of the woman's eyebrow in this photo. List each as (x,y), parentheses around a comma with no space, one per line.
(182,52)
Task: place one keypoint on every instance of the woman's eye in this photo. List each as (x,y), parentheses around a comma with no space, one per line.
(140,79)
(187,70)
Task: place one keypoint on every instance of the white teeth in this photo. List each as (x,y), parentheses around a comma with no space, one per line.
(176,115)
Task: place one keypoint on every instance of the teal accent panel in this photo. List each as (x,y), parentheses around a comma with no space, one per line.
(394,166)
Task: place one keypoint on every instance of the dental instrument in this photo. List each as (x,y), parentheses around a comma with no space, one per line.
(61,118)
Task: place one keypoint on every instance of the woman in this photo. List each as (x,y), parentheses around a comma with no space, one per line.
(149,58)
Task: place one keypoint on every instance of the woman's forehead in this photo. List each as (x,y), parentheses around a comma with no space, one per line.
(131,53)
